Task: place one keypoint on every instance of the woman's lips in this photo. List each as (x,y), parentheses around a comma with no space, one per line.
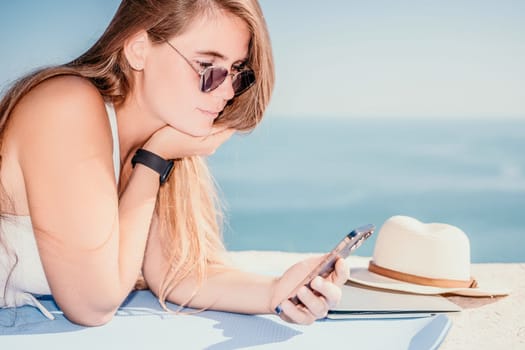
(208,113)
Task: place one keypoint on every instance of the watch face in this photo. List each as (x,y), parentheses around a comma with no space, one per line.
(167,172)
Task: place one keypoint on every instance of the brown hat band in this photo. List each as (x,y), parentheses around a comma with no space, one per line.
(425,281)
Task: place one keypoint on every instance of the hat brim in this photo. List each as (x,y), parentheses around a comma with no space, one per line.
(361,275)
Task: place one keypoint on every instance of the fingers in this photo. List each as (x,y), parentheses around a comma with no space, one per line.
(171,143)
(341,273)
(331,292)
(295,313)
(219,130)
(316,302)
(216,138)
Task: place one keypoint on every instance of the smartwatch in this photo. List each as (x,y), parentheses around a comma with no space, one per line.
(162,166)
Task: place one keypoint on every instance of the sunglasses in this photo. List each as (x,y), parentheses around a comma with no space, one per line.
(212,77)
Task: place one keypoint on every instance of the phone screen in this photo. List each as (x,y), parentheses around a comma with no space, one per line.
(343,249)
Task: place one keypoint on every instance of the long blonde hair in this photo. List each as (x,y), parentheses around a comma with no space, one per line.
(187,208)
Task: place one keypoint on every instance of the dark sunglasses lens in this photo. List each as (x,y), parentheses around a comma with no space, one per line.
(212,77)
(243,81)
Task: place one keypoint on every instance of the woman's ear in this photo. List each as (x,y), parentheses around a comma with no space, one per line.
(135,50)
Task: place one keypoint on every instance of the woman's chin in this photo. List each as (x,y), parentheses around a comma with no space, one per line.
(196,131)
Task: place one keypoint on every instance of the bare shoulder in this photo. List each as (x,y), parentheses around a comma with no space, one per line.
(59,127)
(62,108)
(62,96)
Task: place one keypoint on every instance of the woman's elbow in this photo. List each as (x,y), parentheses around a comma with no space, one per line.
(89,317)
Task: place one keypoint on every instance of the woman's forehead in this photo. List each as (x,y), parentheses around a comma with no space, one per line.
(223,35)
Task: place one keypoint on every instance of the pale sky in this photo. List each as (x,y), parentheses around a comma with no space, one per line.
(337,58)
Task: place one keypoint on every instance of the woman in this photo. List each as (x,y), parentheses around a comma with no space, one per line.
(102,172)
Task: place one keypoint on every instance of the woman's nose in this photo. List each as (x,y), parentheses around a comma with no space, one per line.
(225,90)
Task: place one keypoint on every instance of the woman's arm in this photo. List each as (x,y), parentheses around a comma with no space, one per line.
(91,246)
(230,289)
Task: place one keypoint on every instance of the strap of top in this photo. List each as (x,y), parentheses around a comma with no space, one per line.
(116,145)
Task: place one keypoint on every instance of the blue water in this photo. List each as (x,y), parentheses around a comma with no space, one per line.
(300,184)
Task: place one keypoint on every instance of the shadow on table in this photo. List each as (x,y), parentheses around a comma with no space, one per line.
(142,315)
(241,331)
(237,330)
(29,320)
(473,302)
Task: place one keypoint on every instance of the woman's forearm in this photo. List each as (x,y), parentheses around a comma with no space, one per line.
(136,207)
(228,289)
(106,284)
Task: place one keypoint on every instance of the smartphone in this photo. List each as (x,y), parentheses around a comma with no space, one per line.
(342,250)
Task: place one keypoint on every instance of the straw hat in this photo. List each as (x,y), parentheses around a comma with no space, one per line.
(422,258)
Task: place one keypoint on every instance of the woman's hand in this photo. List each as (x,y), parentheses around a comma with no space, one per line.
(315,303)
(171,143)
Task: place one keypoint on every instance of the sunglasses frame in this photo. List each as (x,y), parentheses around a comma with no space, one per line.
(202,74)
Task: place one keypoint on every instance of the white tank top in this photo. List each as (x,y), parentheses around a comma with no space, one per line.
(27,278)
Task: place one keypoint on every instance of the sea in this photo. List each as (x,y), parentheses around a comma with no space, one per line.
(300,184)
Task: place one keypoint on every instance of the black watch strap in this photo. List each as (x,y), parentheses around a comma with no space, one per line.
(162,166)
